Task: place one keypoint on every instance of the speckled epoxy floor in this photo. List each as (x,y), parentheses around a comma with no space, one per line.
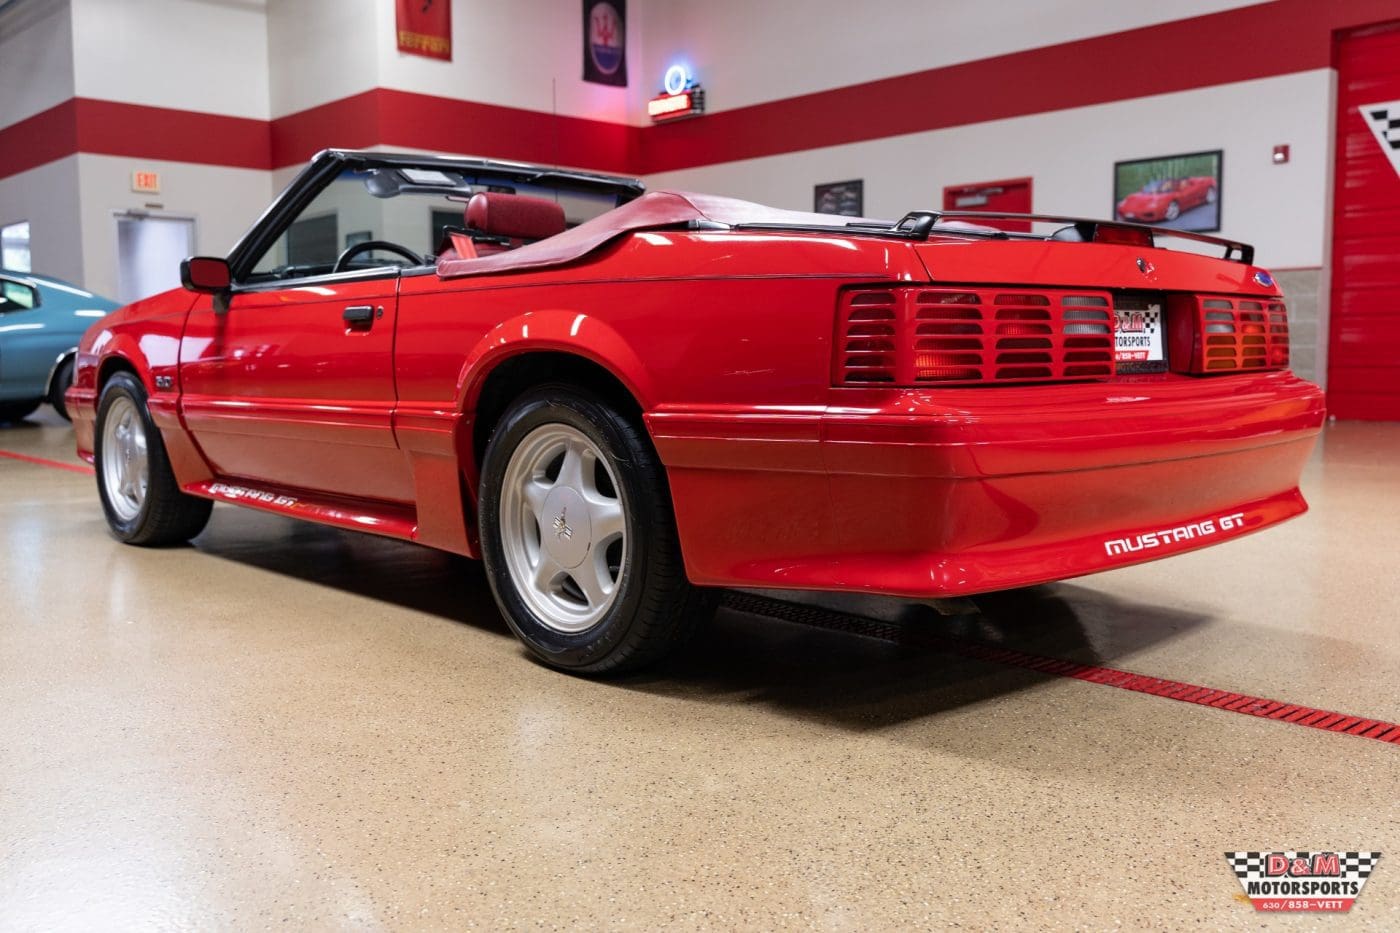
(286,725)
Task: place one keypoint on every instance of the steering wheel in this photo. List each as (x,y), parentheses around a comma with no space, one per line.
(351,252)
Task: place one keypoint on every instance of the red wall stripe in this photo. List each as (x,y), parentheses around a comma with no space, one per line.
(111,128)
(43,138)
(348,123)
(419,121)
(1263,40)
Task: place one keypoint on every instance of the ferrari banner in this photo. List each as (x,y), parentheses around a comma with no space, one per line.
(605,42)
(425,28)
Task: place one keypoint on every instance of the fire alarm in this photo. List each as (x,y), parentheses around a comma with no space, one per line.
(1280,154)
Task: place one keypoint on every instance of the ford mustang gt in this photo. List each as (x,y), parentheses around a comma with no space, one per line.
(621,400)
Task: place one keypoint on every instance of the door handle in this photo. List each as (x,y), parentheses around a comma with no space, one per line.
(359,316)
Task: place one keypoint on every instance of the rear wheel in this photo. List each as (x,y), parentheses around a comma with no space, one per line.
(578,536)
(62,379)
(142,501)
(18,411)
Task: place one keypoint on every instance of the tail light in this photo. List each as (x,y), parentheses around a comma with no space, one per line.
(912,336)
(1224,334)
(1130,236)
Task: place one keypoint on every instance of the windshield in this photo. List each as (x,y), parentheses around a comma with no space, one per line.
(407,208)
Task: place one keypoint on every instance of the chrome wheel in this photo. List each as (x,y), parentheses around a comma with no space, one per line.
(563,528)
(125,468)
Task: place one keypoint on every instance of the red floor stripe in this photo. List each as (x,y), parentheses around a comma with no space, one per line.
(56,464)
(1243,703)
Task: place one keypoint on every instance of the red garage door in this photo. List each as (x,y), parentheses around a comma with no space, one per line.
(1363,379)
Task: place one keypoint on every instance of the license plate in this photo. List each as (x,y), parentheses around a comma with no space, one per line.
(1138,337)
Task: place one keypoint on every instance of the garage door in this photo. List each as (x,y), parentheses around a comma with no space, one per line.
(1364,355)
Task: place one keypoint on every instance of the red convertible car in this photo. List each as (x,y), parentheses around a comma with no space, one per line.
(621,401)
(1165,199)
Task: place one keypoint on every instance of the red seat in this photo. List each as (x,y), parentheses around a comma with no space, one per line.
(517,217)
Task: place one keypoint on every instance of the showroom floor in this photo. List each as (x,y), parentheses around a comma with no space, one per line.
(286,723)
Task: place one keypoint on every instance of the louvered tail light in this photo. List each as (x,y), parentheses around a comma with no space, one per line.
(910,336)
(1228,334)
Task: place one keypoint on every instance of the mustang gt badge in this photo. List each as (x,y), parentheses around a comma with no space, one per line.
(561,526)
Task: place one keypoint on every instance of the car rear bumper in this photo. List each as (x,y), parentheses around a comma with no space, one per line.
(952,492)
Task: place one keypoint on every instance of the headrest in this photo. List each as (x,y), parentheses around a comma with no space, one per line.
(517,216)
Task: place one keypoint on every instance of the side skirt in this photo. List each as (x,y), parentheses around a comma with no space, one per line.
(392,520)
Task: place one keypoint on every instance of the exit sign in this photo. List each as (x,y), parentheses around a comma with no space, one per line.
(145,182)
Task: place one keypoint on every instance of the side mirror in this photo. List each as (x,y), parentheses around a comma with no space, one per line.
(208,274)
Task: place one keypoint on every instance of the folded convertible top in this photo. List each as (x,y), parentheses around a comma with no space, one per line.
(650,211)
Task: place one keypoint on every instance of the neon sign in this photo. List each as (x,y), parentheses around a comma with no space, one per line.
(682,97)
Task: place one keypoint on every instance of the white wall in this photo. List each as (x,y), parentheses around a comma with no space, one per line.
(36,59)
(1282,209)
(746,52)
(321,50)
(203,55)
(224,202)
(47,197)
(524,53)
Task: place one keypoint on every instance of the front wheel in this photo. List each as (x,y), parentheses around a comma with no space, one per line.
(142,500)
(1173,211)
(578,536)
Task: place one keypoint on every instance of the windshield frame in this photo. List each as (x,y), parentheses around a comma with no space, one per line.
(328,165)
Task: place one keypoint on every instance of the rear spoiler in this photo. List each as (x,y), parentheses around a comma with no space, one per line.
(918,225)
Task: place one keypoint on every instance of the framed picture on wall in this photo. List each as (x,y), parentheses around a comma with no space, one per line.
(846,198)
(1180,191)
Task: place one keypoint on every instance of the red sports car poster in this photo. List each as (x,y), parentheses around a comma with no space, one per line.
(424,27)
(1181,192)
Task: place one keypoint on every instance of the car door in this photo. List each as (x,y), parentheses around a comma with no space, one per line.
(287,380)
(294,387)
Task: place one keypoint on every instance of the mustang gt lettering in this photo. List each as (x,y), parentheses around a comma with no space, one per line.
(623,401)
(1167,536)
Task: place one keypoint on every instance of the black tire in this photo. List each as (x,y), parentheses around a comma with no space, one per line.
(655,608)
(18,411)
(62,379)
(165,515)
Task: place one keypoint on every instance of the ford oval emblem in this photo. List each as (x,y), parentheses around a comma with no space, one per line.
(1264,279)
